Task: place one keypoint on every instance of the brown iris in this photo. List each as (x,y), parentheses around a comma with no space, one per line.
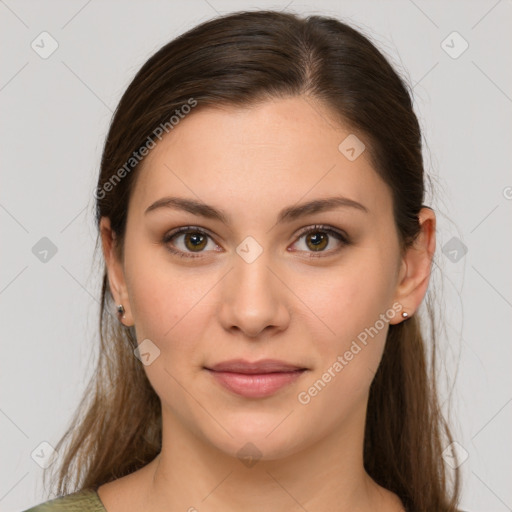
(318,239)
(195,241)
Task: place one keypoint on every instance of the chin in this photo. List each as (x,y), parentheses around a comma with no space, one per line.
(257,438)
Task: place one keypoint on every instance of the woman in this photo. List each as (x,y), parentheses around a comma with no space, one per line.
(260,211)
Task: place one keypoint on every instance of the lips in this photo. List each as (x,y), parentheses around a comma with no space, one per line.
(258,367)
(255,379)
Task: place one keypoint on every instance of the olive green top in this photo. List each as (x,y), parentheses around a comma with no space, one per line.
(86,500)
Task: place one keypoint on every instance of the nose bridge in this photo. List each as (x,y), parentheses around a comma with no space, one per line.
(252,296)
(253,277)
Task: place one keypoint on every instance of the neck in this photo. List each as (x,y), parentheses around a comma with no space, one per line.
(191,474)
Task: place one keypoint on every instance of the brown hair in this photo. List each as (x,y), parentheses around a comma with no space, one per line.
(237,60)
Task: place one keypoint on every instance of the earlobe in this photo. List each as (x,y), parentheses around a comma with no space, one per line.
(115,273)
(416,266)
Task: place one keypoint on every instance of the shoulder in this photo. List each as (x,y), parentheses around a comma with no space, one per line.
(85,500)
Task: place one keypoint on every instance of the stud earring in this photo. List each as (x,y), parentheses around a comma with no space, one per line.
(120,310)
(405,315)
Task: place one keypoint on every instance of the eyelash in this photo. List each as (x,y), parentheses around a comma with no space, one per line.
(340,236)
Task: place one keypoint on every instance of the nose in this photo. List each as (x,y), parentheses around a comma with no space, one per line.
(253,299)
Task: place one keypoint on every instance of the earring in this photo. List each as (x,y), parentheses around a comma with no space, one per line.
(120,310)
(405,315)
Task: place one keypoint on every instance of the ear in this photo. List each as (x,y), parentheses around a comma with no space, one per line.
(115,270)
(416,266)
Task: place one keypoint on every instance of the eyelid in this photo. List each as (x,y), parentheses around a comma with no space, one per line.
(323,227)
(186,229)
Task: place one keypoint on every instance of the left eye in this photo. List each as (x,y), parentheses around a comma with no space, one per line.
(318,239)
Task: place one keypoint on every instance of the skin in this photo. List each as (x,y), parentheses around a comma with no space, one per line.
(306,310)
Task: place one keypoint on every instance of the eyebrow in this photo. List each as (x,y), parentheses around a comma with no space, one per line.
(286,215)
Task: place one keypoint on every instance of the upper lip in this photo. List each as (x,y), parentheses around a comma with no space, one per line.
(256,367)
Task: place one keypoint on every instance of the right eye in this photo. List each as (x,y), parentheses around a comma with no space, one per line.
(188,240)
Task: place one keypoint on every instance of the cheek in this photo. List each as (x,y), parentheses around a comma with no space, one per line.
(170,306)
(348,359)
(170,309)
(354,305)
(350,297)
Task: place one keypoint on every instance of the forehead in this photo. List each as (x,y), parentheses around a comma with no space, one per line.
(262,154)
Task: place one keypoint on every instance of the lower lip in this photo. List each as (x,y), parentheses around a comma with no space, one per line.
(255,385)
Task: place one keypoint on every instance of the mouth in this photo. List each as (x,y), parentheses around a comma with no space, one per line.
(255,379)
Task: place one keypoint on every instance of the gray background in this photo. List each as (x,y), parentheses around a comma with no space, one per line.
(55,114)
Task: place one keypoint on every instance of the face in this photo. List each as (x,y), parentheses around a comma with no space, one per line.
(261,269)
